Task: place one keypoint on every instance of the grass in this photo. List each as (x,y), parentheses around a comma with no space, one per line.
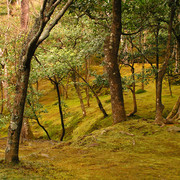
(134,149)
(93,147)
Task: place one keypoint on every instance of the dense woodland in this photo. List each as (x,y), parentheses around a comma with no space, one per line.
(90,89)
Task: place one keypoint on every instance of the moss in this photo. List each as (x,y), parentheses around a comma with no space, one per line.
(139,91)
(100,123)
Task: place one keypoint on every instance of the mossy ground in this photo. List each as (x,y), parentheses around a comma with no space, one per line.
(93,147)
(135,149)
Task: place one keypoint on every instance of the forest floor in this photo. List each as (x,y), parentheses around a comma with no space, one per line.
(133,150)
(94,148)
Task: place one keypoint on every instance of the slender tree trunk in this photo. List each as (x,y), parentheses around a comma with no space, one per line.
(26,132)
(65,88)
(95,95)
(160,74)
(177,68)
(60,110)
(133,90)
(76,85)
(5,83)
(142,60)
(24,27)
(169,84)
(2,98)
(37,119)
(87,79)
(111,58)
(175,113)
(24,14)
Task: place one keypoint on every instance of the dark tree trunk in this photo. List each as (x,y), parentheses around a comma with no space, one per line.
(111,58)
(37,119)
(60,110)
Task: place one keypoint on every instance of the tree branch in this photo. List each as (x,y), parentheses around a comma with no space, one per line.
(47,30)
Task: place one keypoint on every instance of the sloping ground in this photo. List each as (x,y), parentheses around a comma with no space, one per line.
(93,148)
(132,150)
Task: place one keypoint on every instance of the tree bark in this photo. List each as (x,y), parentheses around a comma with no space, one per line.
(133,90)
(95,95)
(111,58)
(60,111)
(11,153)
(26,132)
(76,85)
(87,79)
(177,68)
(2,98)
(24,14)
(37,35)
(160,73)
(37,119)
(175,113)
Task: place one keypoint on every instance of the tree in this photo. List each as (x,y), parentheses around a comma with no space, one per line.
(162,70)
(111,59)
(39,32)
(24,14)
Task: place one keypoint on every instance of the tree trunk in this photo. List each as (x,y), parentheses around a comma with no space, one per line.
(174,115)
(133,90)
(26,132)
(24,14)
(87,79)
(2,99)
(160,73)
(95,95)
(37,35)
(24,27)
(65,88)
(29,47)
(111,58)
(37,119)
(5,84)
(11,153)
(177,68)
(76,85)
(60,110)
(142,58)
